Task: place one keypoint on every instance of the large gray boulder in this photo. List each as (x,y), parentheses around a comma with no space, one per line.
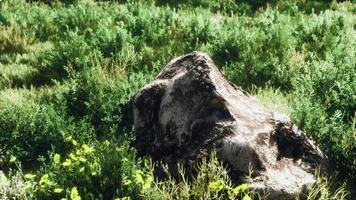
(192,109)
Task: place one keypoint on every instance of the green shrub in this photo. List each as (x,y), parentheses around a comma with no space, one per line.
(258,51)
(73,52)
(97,99)
(67,68)
(224,6)
(334,137)
(29,132)
(102,170)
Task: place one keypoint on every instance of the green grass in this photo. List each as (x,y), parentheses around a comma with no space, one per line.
(67,68)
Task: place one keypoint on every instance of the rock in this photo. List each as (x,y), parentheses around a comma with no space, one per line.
(192,109)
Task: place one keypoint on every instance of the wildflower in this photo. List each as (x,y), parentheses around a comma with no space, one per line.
(87,149)
(82,169)
(127,182)
(82,159)
(74,142)
(56,158)
(69,138)
(246,197)
(216,186)
(45,181)
(106,143)
(30,176)
(74,195)
(94,166)
(239,189)
(72,156)
(57,190)
(139,177)
(67,162)
(12,159)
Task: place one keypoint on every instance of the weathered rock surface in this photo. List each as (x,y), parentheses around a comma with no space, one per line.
(191,108)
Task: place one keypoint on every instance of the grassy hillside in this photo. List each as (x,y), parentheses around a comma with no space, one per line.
(67,67)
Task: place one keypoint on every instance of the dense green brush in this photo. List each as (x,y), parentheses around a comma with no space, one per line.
(67,68)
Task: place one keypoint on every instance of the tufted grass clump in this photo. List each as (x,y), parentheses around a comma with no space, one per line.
(322,190)
(211,181)
(13,39)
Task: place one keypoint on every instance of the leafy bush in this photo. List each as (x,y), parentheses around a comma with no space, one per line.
(74,52)
(100,171)
(29,132)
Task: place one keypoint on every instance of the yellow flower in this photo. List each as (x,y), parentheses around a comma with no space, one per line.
(72,156)
(45,181)
(67,162)
(139,177)
(241,188)
(58,190)
(74,195)
(12,159)
(94,166)
(87,149)
(82,159)
(127,182)
(56,158)
(216,186)
(74,142)
(81,169)
(246,197)
(106,143)
(148,182)
(78,152)
(30,176)
(69,138)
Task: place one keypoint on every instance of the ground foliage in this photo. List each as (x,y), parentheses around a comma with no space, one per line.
(67,67)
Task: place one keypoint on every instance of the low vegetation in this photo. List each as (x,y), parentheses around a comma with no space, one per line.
(67,67)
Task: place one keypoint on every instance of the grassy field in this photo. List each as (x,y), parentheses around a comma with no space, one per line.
(67,67)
